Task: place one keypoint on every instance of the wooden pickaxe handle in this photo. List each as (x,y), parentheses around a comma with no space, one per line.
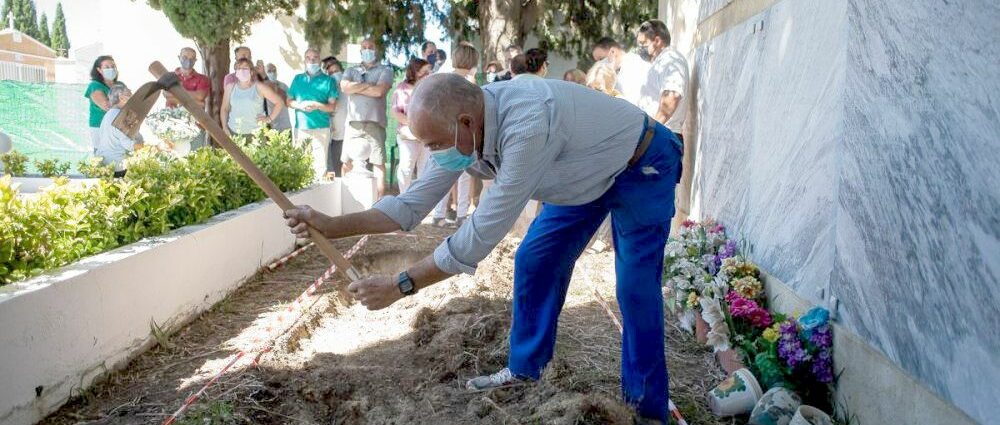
(265,183)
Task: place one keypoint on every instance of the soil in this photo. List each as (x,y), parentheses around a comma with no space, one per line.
(343,364)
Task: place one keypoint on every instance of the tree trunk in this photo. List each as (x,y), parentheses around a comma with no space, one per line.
(500,26)
(216,62)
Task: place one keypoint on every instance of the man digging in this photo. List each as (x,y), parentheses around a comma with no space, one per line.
(580,152)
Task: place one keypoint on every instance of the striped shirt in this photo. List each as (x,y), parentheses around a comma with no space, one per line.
(548,140)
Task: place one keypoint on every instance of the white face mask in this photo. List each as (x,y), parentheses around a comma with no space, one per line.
(368,56)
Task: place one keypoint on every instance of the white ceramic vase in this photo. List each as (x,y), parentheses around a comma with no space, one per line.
(808,415)
(736,395)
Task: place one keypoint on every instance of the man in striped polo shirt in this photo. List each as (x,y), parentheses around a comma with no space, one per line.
(584,155)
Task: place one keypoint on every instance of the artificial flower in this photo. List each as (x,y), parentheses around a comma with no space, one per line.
(747,309)
(748,287)
(770,334)
(692,300)
(718,334)
(814,318)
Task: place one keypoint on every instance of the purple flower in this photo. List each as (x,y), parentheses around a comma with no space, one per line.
(726,251)
(822,337)
(822,367)
(790,348)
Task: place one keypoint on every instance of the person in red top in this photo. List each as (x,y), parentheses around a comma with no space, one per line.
(199,86)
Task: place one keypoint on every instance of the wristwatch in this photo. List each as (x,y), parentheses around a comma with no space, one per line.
(405,283)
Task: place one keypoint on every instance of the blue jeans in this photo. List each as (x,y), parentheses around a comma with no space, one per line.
(641,204)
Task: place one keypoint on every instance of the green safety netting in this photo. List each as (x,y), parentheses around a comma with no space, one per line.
(45,121)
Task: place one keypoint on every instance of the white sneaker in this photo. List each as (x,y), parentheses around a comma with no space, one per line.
(502,378)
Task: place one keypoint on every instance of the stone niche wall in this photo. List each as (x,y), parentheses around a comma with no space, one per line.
(856,146)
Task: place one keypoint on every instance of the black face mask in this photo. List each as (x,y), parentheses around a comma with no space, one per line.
(643,53)
(432,58)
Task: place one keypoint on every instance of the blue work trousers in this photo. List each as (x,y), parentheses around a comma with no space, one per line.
(641,204)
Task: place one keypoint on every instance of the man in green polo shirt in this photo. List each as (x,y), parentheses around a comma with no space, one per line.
(313,95)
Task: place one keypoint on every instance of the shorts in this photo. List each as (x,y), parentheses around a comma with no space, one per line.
(365,132)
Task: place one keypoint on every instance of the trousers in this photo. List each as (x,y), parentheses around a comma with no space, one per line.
(641,205)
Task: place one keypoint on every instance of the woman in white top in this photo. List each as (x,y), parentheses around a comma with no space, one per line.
(412,154)
(465,58)
(243,102)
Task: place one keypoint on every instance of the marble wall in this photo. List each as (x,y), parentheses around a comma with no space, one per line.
(856,144)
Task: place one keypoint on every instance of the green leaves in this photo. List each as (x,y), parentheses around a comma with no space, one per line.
(212,21)
(159,193)
(93,168)
(14,163)
(51,167)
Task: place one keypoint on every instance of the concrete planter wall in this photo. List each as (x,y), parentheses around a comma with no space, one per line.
(61,331)
(36,184)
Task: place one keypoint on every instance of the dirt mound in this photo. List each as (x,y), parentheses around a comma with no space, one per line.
(405,364)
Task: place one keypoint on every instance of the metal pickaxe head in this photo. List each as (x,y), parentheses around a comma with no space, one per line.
(136,109)
(138,106)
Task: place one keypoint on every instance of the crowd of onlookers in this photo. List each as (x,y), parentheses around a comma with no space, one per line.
(341,114)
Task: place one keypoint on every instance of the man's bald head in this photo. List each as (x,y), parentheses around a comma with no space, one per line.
(439,102)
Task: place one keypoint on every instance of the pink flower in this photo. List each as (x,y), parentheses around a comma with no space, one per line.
(743,308)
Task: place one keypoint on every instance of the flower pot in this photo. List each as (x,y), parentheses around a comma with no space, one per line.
(701,328)
(808,415)
(730,360)
(736,395)
(776,407)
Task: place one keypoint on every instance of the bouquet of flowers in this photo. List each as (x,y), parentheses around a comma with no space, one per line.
(692,260)
(174,126)
(798,355)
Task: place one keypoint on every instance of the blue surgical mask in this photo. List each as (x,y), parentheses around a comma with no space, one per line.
(336,76)
(109,73)
(187,63)
(367,56)
(273,76)
(452,159)
(312,68)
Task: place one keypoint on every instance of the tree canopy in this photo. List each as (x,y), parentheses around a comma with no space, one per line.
(393,24)
(60,40)
(214,21)
(567,27)
(43,30)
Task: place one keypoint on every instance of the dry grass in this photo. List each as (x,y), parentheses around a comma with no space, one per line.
(453,331)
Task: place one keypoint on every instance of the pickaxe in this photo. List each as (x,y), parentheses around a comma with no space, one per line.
(138,106)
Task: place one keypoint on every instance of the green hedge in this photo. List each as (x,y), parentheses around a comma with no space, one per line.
(159,193)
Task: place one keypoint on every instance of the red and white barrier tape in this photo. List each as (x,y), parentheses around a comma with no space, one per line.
(284,260)
(276,327)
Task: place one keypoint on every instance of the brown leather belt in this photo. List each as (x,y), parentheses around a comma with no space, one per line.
(647,137)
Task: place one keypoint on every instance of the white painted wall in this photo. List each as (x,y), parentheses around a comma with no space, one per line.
(64,329)
(853,144)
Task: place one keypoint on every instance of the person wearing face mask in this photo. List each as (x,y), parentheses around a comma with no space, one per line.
(103,75)
(536,63)
(367,85)
(338,121)
(630,70)
(492,71)
(465,60)
(584,155)
(197,85)
(430,53)
(412,154)
(313,95)
(113,145)
(283,122)
(666,81)
(243,102)
(241,52)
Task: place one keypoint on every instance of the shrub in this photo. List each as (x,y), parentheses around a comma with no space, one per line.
(159,193)
(14,163)
(51,167)
(93,168)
